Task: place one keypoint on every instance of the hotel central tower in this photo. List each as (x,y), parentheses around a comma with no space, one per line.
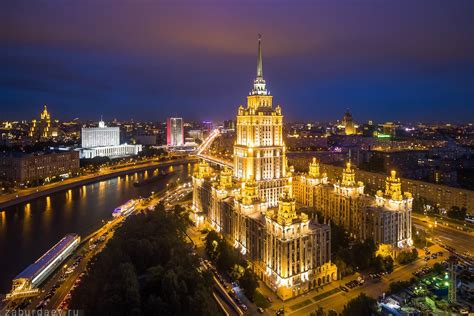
(259,150)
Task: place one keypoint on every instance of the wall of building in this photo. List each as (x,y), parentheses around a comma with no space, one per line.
(445,196)
(100,136)
(23,168)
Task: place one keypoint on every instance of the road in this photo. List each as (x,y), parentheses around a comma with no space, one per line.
(449,235)
(55,292)
(196,238)
(58,286)
(310,302)
(24,195)
(66,281)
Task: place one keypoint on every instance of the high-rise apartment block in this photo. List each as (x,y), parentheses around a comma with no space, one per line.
(174,131)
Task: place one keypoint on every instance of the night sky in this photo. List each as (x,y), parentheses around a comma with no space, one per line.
(146,60)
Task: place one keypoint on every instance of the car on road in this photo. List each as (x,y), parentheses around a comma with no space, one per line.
(280,312)
(343,288)
(260,310)
(269,299)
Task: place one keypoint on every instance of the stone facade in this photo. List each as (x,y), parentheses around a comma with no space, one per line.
(254,209)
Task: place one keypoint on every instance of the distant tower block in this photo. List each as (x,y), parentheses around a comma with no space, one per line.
(348,122)
(174,131)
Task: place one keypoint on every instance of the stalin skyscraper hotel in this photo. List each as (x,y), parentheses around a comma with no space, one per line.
(255,209)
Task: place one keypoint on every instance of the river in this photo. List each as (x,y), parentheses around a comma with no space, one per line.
(28,230)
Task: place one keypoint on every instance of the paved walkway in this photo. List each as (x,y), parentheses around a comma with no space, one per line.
(25,195)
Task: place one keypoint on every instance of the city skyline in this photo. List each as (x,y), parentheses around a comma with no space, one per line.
(384,62)
(254,216)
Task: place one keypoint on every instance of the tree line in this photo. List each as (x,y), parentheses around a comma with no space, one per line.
(147,268)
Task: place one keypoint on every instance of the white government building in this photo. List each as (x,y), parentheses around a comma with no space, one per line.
(103,141)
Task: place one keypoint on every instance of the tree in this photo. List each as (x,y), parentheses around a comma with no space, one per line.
(398,286)
(418,205)
(343,268)
(249,283)
(318,312)
(212,241)
(383,264)
(438,268)
(362,254)
(406,257)
(419,237)
(339,237)
(362,305)
(227,257)
(332,312)
(457,213)
(237,272)
(147,268)
(389,264)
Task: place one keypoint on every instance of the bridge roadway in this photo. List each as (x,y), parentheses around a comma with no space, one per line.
(205,145)
(217,161)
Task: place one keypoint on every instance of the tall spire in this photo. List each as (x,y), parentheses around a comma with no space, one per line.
(259,87)
(259,58)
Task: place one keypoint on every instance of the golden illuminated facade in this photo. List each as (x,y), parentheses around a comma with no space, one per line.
(348,123)
(342,201)
(201,179)
(254,209)
(297,251)
(308,188)
(390,218)
(259,151)
(44,128)
(346,202)
(385,218)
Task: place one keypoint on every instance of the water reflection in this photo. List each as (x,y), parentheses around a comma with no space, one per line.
(28,230)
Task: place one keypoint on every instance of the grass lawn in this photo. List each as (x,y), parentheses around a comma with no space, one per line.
(260,300)
(326,294)
(300,305)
